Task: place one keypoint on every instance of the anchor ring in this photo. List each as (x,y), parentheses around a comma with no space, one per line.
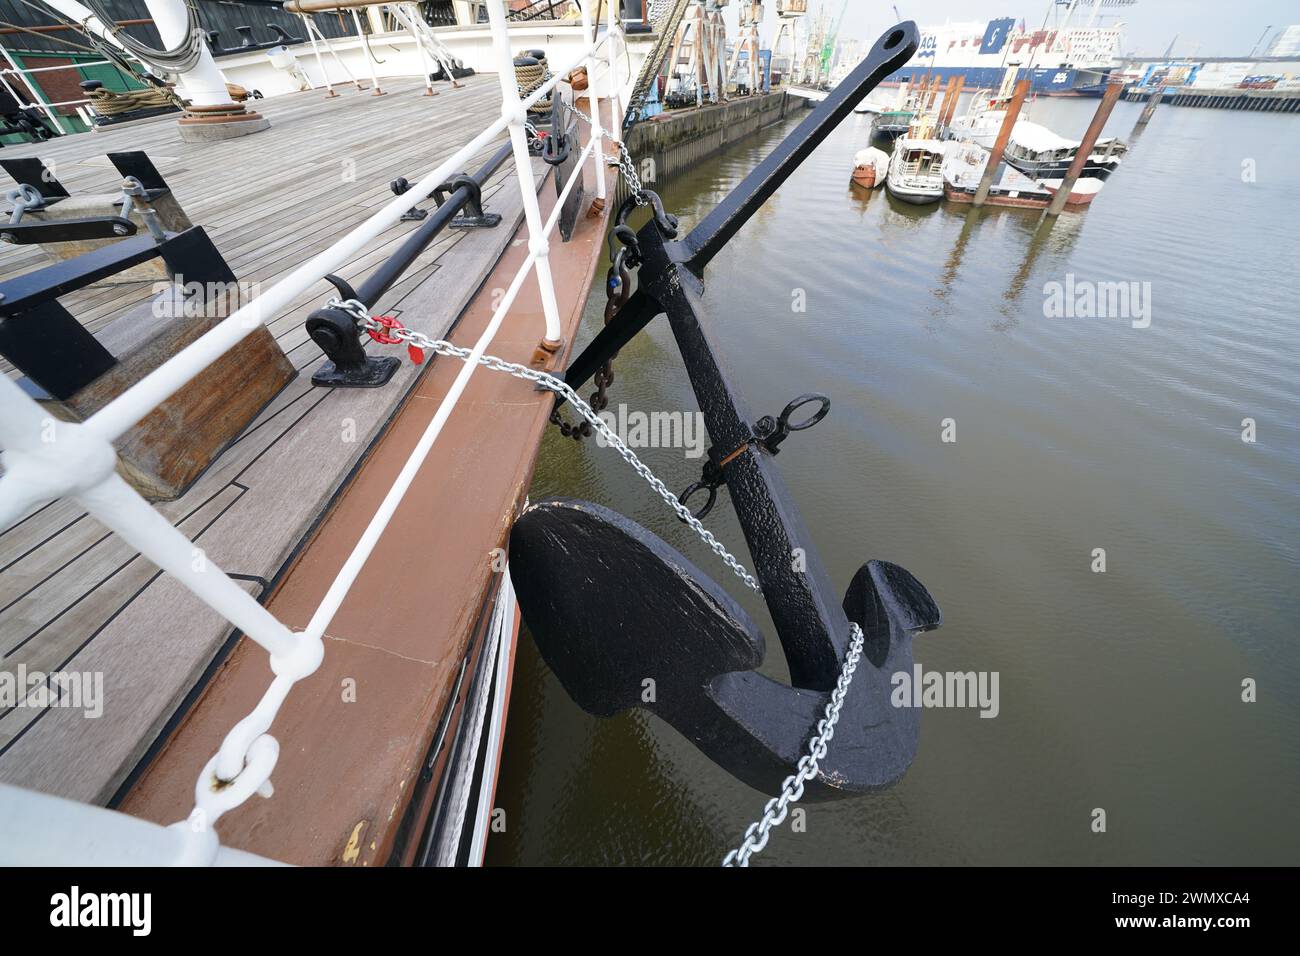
(708,504)
(798,403)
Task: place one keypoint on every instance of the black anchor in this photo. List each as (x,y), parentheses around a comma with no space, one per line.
(624,620)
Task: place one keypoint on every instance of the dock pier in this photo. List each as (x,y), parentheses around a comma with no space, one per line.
(1263,101)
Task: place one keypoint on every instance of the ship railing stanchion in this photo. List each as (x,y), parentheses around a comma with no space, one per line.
(515,113)
(614,28)
(593,104)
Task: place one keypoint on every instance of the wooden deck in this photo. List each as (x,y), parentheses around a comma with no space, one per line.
(74,597)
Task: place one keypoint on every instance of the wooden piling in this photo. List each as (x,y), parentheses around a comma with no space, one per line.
(1000,144)
(943,104)
(1149,110)
(945,120)
(1113,90)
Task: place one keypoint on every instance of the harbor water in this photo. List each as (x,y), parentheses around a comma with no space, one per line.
(999,444)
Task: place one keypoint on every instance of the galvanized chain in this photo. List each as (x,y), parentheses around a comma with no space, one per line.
(625,164)
(776,809)
(618,288)
(557,385)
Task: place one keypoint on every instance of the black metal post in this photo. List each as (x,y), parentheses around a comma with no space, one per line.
(335,330)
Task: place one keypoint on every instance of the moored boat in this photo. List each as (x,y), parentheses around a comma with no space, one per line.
(963,168)
(891,124)
(1045,156)
(915,171)
(870,166)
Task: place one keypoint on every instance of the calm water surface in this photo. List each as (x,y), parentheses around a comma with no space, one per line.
(1119,690)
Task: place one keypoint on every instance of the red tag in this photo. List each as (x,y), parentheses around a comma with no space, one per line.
(416,353)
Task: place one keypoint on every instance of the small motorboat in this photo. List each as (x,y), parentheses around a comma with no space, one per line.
(867,106)
(915,170)
(891,124)
(870,166)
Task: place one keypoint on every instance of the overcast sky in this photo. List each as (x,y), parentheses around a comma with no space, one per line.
(1208,27)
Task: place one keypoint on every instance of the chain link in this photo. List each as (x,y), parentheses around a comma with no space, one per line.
(557,385)
(625,163)
(776,809)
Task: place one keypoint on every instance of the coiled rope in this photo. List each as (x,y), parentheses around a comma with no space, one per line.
(530,73)
(178,59)
(107,103)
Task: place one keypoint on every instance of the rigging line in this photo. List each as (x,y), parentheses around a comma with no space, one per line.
(108,51)
(46,36)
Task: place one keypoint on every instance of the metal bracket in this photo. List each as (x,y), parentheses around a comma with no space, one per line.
(476,218)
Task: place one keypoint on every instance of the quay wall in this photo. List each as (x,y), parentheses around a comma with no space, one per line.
(1263,101)
(678,139)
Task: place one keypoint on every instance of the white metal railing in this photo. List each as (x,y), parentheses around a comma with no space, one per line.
(47,459)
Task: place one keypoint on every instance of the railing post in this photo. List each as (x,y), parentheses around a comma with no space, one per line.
(593,102)
(365,51)
(611,28)
(513,112)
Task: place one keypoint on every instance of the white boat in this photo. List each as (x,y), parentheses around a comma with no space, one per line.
(870,166)
(982,121)
(869,106)
(915,174)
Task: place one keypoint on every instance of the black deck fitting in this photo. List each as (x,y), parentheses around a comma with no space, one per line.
(336,332)
(475,217)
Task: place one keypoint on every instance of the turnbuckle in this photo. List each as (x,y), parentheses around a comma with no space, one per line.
(768,434)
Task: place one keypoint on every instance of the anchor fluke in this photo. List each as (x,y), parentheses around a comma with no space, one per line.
(882,593)
(625,620)
(611,605)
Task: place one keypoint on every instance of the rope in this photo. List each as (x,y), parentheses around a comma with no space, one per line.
(529,76)
(107,103)
(178,59)
(47,36)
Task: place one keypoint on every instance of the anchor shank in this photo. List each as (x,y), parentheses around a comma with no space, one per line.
(891,51)
(804,606)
